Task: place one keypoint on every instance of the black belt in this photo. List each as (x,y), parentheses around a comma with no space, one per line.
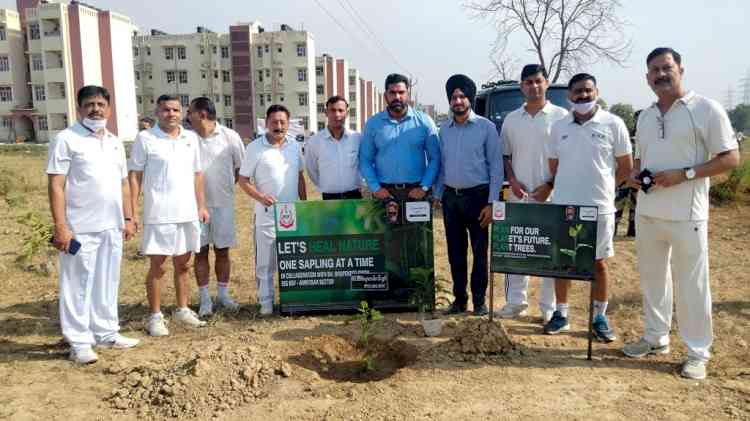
(400,185)
(468,190)
(351,194)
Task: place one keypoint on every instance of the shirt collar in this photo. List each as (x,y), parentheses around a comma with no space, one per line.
(215,132)
(596,118)
(472,119)
(79,128)
(685,100)
(327,133)
(158,132)
(409,114)
(287,140)
(545,110)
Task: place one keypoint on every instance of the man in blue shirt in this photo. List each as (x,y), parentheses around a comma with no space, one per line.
(469,180)
(399,156)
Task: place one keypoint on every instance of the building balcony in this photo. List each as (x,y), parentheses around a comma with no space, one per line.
(57,105)
(55,75)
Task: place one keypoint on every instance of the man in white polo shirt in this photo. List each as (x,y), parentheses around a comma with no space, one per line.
(589,154)
(525,134)
(683,139)
(91,210)
(331,156)
(165,161)
(221,151)
(271,172)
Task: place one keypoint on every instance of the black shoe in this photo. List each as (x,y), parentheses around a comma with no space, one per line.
(456,308)
(480,310)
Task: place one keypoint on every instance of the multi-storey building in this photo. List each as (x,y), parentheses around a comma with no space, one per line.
(355,120)
(67,47)
(188,66)
(15,97)
(325,76)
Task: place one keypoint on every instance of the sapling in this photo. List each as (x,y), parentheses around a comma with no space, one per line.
(366,316)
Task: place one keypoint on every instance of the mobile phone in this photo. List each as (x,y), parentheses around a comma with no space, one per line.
(73,246)
(646,179)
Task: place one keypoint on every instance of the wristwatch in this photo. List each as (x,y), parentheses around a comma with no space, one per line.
(689,173)
(425,188)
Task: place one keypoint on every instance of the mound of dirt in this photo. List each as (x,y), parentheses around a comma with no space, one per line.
(200,385)
(341,359)
(479,336)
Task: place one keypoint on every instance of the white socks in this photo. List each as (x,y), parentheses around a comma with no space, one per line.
(563,309)
(600,307)
(204,294)
(223,291)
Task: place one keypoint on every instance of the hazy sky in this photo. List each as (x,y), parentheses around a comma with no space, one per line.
(437,38)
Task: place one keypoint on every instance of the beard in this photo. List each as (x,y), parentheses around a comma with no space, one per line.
(396,107)
(460,110)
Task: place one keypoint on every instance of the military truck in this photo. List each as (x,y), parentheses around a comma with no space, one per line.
(497,99)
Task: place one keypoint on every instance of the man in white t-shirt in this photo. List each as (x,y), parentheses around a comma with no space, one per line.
(272,172)
(165,163)
(525,135)
(331,156)
(221,151)
(589,154)
(91,210)
(682,140)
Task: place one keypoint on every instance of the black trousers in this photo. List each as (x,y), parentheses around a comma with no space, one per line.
(461,209)
(352,194)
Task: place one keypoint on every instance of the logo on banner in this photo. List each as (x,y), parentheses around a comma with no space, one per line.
(286,217)
(589,214)
(418,211)
(498,211)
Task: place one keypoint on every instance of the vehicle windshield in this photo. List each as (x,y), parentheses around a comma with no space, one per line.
(503,103)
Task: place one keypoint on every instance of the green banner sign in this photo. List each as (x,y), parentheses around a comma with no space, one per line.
(542,239)
(333,254)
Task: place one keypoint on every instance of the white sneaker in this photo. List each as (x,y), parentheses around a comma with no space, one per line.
(547,316)
(206,309)
(266,309)
(694,369)
(227,303)
(186,316)
(119,342)
(512,311)
(83,355)
(157,326)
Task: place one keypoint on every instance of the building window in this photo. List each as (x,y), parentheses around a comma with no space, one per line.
(201,49)
(320,89)
(321,125)
(217,98)
(278,48)
(150,76)
(4,64)
(139,99)
(39,93)
(265,48)
(229,123)
(36,62)
(224,51)
(281,73)
(216,74)
(301,50)
(170,76)
(185,100)
(203,74)
(226,77)
(281,98)
(321,108)
(183,76)
(213,49)
(352,112)
(352,80)
(260,52)
(302,75)
(34,31)
(169,53)
(148,51)
(268,98)
(42,123)
(319,71)
(302,98)
(6,94)
(227,100)
(135,51)
(268,72)
(352,97)
(262,99)
(305,122)
(137,75)
(181,53)
(7,122)
(2,33)
(260,75)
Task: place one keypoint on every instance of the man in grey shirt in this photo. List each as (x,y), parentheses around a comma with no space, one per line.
(469,180)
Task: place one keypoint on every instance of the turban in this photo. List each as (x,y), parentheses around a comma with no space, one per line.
(463,83)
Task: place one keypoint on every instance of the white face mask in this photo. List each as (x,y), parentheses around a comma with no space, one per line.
(583,108)
(95,125)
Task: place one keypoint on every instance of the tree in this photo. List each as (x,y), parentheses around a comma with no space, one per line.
(565,35)
(740,118)
(626,113)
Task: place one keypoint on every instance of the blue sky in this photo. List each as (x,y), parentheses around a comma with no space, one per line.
(434,39)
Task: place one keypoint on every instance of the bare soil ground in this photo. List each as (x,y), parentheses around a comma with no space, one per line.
(244,367)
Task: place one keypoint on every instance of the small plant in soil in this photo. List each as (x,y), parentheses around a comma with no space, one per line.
(367,317)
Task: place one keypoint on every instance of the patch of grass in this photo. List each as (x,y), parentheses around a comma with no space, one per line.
(734,188)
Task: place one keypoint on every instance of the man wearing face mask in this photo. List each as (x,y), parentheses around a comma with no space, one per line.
(469,180)
(91,209)
(589,154)
(331,155)
(683,139)
(271,172)
(525,134)
(399,156)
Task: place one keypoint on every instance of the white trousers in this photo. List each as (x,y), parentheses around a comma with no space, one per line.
(265,253)
(675,252)
(517,286)
(89,283)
